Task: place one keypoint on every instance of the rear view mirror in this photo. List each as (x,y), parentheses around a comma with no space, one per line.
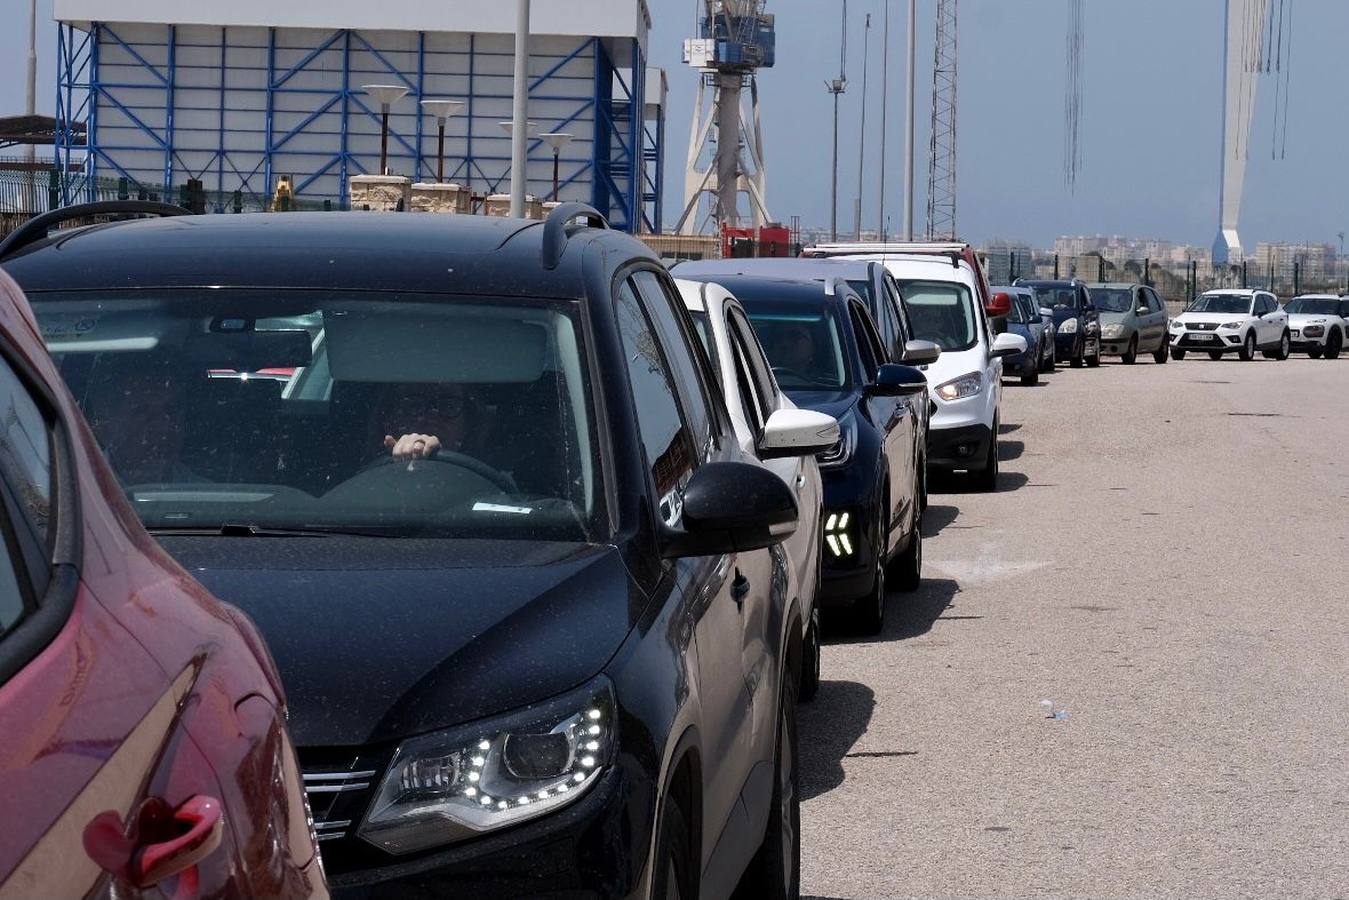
(1000,304)
(921,353)
(797,432)
(732,507)
(894,380)
(249,351)
(1008,345)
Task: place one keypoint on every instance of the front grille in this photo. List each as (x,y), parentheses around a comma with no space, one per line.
(1202,326)
(340,785)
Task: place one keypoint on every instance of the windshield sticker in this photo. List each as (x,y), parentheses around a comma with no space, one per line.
(67,327)
(499,508)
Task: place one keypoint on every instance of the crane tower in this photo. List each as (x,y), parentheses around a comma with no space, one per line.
(735,40)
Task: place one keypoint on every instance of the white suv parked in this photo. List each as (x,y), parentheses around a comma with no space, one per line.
(1232,321)
(1319,324)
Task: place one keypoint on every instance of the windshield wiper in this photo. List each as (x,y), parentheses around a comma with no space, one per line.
(236,529)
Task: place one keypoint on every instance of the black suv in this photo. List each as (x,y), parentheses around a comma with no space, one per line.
(1077,324)
(473,479)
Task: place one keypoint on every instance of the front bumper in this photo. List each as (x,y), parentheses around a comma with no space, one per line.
(1118,345)
(597,847)
(965,447)
(848,557)
(1303,342)
(1211,341)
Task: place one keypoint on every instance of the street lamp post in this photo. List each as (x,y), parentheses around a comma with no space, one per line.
(386,95)
(520,109)
(519,176)
(442,110)
(557,140)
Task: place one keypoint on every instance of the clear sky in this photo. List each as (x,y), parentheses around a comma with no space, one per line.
(1150,129)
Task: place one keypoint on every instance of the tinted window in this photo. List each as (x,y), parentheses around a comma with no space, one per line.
(680,347)
(665,437)
(941,312)
(905,327)
(804,343)
(868,341)
(25,451)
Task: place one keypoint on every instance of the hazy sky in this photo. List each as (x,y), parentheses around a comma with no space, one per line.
(1150,128)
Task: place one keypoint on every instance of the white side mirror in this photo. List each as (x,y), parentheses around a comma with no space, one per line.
(1008,344)
(1045,311)
(921,353)
(797,432)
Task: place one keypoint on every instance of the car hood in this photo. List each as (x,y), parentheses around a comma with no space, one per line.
(834,403)
(1106,318)
(1212,317)
(380,638)
(1312,319)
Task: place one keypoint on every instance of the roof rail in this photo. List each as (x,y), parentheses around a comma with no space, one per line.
(38,227)
(555,234)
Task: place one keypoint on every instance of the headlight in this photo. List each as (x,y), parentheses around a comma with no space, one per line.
(964,386)
(841,452)
(462,782)
(1069,326)
(1112,330)
(1177,325)
(1232,324)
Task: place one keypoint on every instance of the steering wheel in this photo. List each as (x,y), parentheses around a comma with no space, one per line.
(453,458)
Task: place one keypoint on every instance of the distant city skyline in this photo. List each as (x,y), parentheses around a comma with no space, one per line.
(1150,127)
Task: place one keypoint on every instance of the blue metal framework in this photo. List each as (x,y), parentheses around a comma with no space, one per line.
(236,108)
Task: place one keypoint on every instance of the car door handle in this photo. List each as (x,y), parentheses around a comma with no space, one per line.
(739,588)
(201,826)
(800,482)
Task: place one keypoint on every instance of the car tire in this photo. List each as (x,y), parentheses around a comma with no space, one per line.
(810,658)
(775,870)
(1046,362)
(1315,352)
(1247,351)
(675,880)
(1095,359)
(1160,355)
(1285,346)
(1131,353)
(1177,353)
(1030,375)
(986,478)
(1334,344)
(869,609)
(1076,359)
(1215,355)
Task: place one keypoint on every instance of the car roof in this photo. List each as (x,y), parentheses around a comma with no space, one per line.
(357,251)
(1114,285)
(1317,297)
(791,290)
(1249,292)
(790,267)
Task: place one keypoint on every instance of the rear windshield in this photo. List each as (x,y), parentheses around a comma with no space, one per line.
(319,411)
(941,312)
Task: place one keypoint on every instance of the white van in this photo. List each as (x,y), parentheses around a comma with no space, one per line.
(941,291)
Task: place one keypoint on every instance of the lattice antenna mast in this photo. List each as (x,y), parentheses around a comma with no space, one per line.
(941,165)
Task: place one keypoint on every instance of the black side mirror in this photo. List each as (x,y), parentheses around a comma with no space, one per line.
(895,380)
(732,507)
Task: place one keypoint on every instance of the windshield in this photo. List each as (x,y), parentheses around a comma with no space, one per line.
(803,344)
(1315,306)
(1222,303)
(1112,301)
(381,414)
(1055,297)
(1023,311)
(941,312)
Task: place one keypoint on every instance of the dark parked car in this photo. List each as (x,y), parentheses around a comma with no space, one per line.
(145,748)
(1024,319)
(827,355)
(1077,326)
(482,525)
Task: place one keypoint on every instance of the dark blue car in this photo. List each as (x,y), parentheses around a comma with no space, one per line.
(1077,327)
(1024,319)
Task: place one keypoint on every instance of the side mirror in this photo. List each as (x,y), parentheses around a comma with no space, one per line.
(732,507)
(797,432)
(1046,311)
(1143,310)
(1000,304)
(1008,345)
(921,353)
(895,380)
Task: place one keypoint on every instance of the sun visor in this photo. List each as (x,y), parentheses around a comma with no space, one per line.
(376,342)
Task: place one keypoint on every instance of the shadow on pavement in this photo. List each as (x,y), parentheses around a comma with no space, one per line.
(1008,427)
(906,615)
(827,728)
(936,517)
(963,482)
(1010,450)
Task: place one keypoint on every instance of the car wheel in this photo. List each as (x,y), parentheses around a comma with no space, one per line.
(1030,374)
(1131,354)
(1216,354)
(1315,352)
(776,868)
(1177,353)
(869,610)
(1247,351)
(1159,355)
(1333,344)
(1285,346)
(922,489)
(810,659)
(908,566)
(986,478)
(674,881)
(1047,361)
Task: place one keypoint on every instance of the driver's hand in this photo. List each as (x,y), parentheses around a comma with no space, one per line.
(412,446)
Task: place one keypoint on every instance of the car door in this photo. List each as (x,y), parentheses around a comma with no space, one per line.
(1154,327)
(892,415)
(678,432)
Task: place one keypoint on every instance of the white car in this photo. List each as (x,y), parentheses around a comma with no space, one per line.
(940,290)
(758,409)
(1232,321)
(1319,324)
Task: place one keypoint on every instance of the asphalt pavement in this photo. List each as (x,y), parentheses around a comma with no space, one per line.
(1166,562)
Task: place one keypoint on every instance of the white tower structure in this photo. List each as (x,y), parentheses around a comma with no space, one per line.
(726,153)
(1241,68)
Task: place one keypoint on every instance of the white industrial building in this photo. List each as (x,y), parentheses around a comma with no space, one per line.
(236,95)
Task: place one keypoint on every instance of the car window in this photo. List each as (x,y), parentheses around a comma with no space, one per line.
(681,348)
(665,436)
(755,414)
(905,326)
(942,312)
(868,341)
(765,389)
(1154,301)
(25,452)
